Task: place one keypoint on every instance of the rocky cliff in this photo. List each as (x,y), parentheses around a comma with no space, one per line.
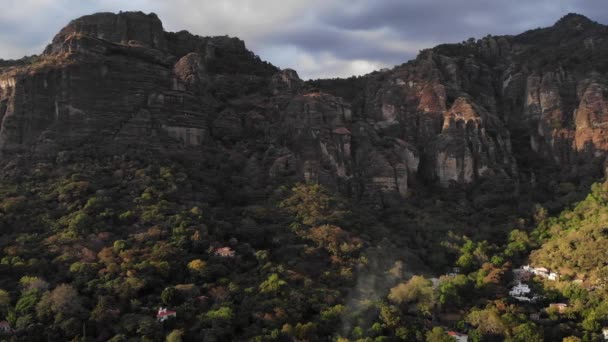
(498,105)
(118,83)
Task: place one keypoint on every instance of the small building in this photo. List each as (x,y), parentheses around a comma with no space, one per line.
(5,327)
(225,252)
(605,332)
(164,314)
(459,337)
(519,290)
(560,307)
(541,272)
(535,316)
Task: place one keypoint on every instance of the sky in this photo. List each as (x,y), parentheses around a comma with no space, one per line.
(318,38)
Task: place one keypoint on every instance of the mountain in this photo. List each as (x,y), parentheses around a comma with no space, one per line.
(455,114)
(141,168)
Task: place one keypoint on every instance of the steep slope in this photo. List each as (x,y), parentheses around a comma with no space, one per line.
(150,169)
(118,82)
(569,238)
(110,81)
(537,98)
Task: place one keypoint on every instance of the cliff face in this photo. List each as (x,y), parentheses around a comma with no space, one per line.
(115,80)
(118,83)
(497,105)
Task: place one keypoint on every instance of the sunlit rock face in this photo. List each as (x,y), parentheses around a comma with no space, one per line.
(457,114)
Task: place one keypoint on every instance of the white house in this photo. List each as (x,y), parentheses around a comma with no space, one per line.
(605,332)
(541,272)
(519,290)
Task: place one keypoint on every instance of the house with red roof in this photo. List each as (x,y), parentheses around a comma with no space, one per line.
(226,252)
(164,314)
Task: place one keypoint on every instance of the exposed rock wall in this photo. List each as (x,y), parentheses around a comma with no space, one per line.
(456,114)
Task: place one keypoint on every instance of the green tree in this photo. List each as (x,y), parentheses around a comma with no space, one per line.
(272,284)
(169,295)
(390,316)
(452,291)
(175,336)
(488,321)
(528,332)
(5,302)
(438,334)
(418,291)
(119,246)
(27,302)
(223,314)
(313,205)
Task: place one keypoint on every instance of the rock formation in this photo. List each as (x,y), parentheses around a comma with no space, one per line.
(118,83)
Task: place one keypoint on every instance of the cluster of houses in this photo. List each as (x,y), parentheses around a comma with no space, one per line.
(522,291)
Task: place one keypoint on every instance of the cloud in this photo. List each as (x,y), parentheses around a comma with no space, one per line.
(30,25)
(317,65)
(318,38)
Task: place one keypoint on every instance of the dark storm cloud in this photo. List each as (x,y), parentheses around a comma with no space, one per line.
(345,44)
(318,38)
(447,20)
(418,23)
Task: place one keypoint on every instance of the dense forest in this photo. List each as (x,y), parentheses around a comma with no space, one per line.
(173,187)
(97,253)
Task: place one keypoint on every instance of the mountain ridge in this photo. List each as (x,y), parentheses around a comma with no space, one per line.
(418,134)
